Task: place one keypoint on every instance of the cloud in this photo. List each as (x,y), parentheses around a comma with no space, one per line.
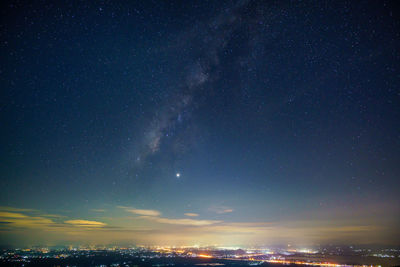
(11,215)
(53,216)
(141,211)
(13,220)
(191,222)
(85,223)
(145,212)
(220,209)
(168,231)
(154,215)
(190,214)
(98,210)
(15,209)
(18,212)
(226,211)
(19,220)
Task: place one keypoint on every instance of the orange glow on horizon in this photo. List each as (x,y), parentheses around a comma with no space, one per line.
(328,264)
(204,256)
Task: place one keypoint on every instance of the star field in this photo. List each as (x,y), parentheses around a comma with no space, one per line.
(236,122)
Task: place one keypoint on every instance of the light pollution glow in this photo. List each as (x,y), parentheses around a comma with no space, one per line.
(149,227)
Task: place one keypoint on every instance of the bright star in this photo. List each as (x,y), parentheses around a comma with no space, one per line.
(178,174)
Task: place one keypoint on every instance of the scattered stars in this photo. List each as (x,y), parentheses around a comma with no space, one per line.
(256,105)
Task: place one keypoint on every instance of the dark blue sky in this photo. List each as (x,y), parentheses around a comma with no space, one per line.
(280,117)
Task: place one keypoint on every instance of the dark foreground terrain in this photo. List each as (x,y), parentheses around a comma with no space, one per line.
(117,260)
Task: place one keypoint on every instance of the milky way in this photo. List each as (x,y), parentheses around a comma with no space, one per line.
(171,120)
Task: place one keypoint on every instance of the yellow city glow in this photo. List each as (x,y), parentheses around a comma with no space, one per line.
(204,256)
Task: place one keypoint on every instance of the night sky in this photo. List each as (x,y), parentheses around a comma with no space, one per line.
(200,122)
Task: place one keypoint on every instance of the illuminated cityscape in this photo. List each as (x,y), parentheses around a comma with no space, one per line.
(200,133)
(199,256)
